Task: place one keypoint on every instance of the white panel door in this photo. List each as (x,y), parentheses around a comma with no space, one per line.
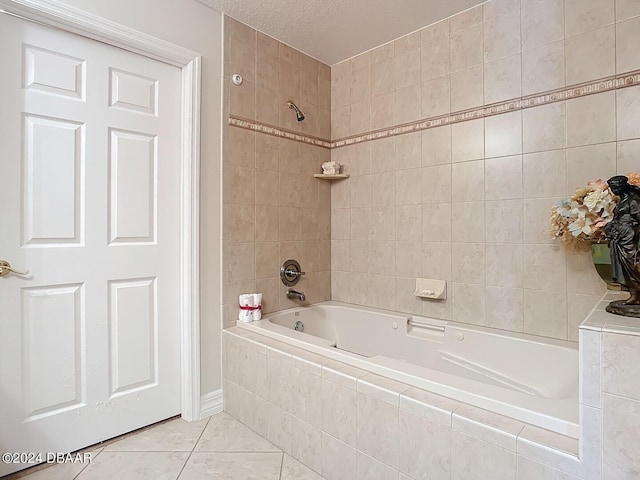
(89,204)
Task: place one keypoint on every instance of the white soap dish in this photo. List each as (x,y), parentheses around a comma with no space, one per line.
(433,289)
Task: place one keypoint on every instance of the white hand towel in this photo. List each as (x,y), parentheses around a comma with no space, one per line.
(257,301)
(245,300)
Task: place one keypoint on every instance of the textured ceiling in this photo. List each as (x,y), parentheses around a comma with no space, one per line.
(334,30)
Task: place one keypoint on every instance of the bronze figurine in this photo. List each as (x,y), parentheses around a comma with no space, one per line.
(623,233)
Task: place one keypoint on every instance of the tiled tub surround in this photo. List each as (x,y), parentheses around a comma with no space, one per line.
(347,423)
(273,208)
(463,362)
(469,202)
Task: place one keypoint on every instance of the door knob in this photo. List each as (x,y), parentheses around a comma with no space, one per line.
(6,268)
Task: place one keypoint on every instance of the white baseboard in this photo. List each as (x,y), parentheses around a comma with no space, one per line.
(211,403)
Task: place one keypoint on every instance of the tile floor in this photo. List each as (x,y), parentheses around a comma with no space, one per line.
(218,448)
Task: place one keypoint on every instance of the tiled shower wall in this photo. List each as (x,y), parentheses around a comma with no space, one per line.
(273,208)
(469,202)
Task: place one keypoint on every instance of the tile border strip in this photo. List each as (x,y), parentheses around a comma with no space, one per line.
(277,132)
(601,85)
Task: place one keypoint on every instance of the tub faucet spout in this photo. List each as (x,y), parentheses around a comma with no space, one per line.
(293,295)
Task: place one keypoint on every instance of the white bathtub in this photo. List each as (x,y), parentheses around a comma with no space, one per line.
(528,378)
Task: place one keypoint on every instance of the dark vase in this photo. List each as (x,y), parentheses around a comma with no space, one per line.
(602,261)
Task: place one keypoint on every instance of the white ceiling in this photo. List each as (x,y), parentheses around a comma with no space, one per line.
(334,30)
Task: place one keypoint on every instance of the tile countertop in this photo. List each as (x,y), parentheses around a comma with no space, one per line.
(601,321)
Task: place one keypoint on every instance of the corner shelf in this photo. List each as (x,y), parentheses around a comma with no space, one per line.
(335,176)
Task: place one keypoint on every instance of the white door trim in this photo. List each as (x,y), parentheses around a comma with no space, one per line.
(55,14)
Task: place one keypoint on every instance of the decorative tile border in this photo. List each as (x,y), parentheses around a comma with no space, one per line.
(628,79)
(277,132)
(623,80)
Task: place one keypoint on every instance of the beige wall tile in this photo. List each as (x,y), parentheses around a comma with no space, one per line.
(338,459)
(378,429)
(408,151)
(382,111)
(501,36)
(467,88)
(360,117)
(544,128)
(407,104)
(545,268)
(586,15)
(591,119)
(406,254)
(406,43)
(436,222)
(466,19)
(417,461)
(436,184)
(578,308)
(621,431)
(405,300)
(468,181)
(383,153)
(503,135)
(382,78)
(468,263)
(306,444)
(436,96)
(408,183)
(435,57)
(267,70)
(504,308)
(267,259)
(503,79)
(582,276)
(467,222)
(628,113)
(360,85)
(544,174)
(266,223)
(408,226)
(585,164)
(543,68)
(504,265)
(381,53)
(383,223)
(504,221)
(536,220)
(360,223)
(503,178)
(383,189)
(628,154)
(590,55)
(542,22)
(531,470)
(498,8)
(436,146)
(620,368)
(466,48)
(626,9)
(467,140)
(368,467)
(360,61)
(468,303)
(436,260)
(545,313)
(406,67)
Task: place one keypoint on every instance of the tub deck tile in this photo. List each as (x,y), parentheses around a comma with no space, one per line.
(432,406)
(341,373)
(382,388)
(488,426)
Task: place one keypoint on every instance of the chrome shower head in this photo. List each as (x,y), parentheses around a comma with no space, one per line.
(299,114)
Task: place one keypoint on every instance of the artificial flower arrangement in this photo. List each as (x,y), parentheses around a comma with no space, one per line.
(579,220)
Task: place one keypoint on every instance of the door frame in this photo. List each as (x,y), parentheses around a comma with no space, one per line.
(58,15)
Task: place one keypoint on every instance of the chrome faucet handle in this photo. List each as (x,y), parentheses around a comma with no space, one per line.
(294,272)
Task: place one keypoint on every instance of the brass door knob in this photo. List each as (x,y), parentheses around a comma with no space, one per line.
(6,269)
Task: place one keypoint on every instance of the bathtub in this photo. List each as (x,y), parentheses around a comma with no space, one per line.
(529,378)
